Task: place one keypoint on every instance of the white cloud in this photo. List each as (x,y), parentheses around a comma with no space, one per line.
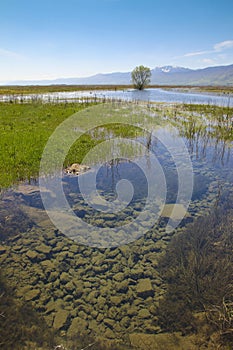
(224,45)
(197,53)
(219,47)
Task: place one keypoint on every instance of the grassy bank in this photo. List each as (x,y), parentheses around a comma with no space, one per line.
(25,129)
(40,89)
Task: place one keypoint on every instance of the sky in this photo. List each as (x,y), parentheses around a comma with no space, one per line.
(47,39)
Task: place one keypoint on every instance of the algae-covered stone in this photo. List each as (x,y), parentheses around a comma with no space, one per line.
(125,322)
(144,288)
(131,310)
(137,273)
(144,313)
(69,287)
(68,298)
(109,334)
(115,300)
(109,322)
(78,292)
(2,249)
(74,248)
(168,341)
(48,264)
(91,297)
(32,295)
(174,211)
(101,302)
(53,276)
(82,315)
(113,313)
(17,248)
(119,277)
(50,307)
(60,320)
(43,248)
(122,287)
(64,278)
(153,310)
(31,254)
(93,325)
(100,317)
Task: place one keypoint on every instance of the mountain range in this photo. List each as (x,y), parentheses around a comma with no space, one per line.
(166,75)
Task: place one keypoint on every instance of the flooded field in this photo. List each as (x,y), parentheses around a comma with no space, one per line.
(96,267)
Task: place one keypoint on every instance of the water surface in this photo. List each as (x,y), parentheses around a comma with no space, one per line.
(147,95)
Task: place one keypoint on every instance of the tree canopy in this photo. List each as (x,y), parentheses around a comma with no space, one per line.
(141,77)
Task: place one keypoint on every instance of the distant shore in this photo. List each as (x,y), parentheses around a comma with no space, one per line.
(21,90)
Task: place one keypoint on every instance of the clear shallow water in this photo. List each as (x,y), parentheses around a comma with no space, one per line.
(59,277)
(151,95)
(156,95)
(212,162)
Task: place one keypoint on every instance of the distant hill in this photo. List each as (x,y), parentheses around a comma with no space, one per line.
(167,75)
(220,75)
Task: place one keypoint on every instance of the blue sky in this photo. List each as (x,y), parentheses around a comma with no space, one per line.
(43,39)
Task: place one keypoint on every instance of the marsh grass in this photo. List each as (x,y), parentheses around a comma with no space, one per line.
(37,89)
(26,127)
(24,130)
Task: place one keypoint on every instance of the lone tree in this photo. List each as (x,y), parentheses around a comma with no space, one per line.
(141,77)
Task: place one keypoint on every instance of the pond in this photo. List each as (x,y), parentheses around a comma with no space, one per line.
(151,95)
(139,192)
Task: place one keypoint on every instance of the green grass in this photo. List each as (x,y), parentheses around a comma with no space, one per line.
(39,89)
(24,130)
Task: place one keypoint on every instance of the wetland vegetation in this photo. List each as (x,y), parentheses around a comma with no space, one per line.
(25,129)
(38,89)
(164,290)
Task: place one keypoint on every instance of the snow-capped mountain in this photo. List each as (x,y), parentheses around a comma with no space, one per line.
(170,69)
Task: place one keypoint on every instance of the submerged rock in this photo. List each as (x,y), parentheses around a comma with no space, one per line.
(144,313)
(3,249)
(60,319)
(168,341)
(77,169)
(144,288)
(174,211)
(32,295)
(32,255)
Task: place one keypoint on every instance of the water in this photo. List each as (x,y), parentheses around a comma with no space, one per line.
(111,292)
(151,95)
(211,160)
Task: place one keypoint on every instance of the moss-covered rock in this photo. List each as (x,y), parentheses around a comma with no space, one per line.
(69,287)
(60,319)
(144,313)
(144,288)
(122,287)
(3,249)
(32,295)
(65,278)
(32,255)
(168,341)
(119,277)
(116,300)
(42,248)
(109,322)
